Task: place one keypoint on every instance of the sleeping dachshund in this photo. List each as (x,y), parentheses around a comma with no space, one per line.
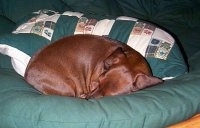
(88,66)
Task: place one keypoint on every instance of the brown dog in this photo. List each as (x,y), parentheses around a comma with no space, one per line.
(88,66)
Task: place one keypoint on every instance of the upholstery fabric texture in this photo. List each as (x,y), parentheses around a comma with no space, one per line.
(177,99)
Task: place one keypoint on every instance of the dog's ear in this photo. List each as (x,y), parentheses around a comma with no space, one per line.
(114,58)
(142,81)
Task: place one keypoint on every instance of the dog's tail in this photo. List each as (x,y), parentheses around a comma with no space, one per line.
(19,59)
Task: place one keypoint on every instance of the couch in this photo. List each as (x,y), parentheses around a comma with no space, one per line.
(177,99)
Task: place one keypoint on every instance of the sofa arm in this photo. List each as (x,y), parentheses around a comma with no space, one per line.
(193,122)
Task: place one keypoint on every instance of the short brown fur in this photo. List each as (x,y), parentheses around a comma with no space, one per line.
(88,66)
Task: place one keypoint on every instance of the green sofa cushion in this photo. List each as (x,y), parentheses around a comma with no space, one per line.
(155,107)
